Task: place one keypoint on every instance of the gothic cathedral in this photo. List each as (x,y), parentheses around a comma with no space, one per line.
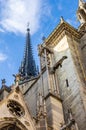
(55,97)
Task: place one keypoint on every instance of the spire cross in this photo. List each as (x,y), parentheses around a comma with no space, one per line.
(28,26)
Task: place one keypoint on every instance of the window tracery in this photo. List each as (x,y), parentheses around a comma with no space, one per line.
(15,108)
(10,127)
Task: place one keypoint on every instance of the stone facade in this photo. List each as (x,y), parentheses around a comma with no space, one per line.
(56,98)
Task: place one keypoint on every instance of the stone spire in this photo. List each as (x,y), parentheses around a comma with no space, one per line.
(28,66)
(81,12)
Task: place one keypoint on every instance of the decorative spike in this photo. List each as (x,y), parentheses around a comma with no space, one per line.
(28,27)
(41,100)
(43,38)
(45,108)
(61,19)
(37,68)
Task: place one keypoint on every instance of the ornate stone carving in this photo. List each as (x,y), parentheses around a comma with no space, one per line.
(15,108)
(10,127)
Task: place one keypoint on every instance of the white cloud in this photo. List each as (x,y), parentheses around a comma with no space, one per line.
(1,30)
(3,57)
(15,14)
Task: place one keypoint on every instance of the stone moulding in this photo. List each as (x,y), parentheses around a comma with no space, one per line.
(9,121)
(61,30)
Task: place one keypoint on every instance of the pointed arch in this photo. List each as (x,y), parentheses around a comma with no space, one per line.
(10,122)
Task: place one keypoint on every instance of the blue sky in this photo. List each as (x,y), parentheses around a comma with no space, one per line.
(42,15)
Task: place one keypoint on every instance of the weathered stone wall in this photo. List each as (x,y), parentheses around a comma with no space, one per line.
(69,81)
(31,92)
(54,112)
(83,51)
(53,104)
(3,94)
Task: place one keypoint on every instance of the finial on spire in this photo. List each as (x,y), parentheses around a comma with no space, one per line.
(61,19)
(28,26)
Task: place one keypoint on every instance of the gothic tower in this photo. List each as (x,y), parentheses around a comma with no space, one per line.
(28,66)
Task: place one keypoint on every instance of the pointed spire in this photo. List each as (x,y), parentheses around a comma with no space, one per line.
(61,19)
(28,66)
(28,27)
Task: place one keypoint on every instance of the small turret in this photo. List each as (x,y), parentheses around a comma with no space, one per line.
(3,82)
(81,12)
(5,90)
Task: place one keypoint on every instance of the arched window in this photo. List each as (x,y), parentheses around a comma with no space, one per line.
(9,123)
(10,127)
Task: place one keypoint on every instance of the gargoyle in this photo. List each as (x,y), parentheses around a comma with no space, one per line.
(59,63)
